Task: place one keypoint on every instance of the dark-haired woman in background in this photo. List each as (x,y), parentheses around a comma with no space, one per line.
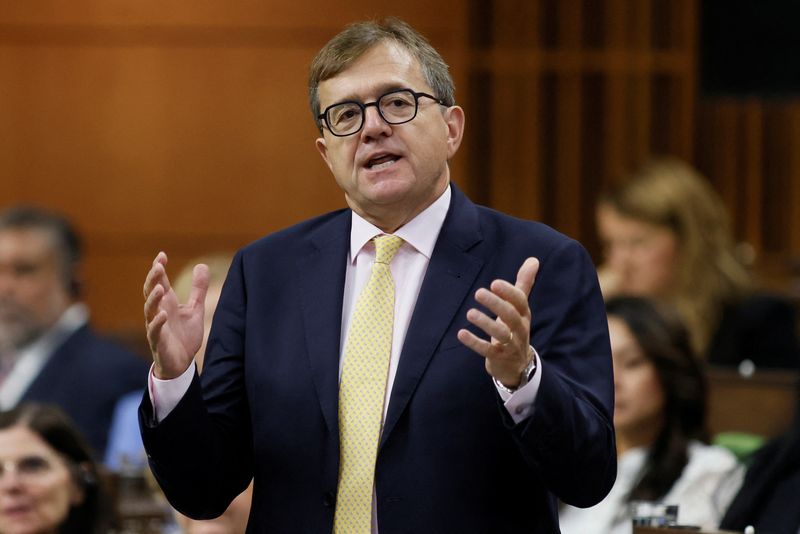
(659,418)
(48,479)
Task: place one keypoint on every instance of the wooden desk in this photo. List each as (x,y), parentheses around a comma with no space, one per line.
(763,404)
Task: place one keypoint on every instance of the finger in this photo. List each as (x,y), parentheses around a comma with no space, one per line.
(491,327)
(527,275)
(152,279)
(518,293)
(153,302)
(154,331)
(157,269)
(200,281)
(505,308)
(473,342)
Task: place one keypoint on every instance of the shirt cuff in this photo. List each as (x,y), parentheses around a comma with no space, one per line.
(166,394)
(520,404)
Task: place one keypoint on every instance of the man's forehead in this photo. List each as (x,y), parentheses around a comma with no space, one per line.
(383,67)
(28,243)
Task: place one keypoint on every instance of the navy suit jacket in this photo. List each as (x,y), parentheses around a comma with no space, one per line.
(451,459)
(85,377)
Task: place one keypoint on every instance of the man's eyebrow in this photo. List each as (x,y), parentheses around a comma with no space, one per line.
(378,91)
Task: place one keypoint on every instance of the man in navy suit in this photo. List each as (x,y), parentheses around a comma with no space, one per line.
(48,352)
(499,392)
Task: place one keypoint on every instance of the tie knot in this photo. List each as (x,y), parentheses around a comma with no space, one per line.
(386,246)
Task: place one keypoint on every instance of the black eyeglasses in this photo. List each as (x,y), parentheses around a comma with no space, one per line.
(395,107)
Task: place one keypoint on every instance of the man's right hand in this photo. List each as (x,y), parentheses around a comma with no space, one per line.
(174,330)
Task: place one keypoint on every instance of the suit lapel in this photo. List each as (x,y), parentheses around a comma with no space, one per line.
(321,270)
(50,380)
(450,276)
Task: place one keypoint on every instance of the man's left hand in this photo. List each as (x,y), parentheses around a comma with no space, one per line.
(507,351)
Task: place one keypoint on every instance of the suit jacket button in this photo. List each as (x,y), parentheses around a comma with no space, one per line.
(329,499)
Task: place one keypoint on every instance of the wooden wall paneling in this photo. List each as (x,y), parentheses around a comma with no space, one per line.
(717,133)
(567,134)
(686,33)
(593,148)
(640,27)
(516,24)
(640,115)
(763,404)
(748,148)
(777,262)
(615,104)
(640,91)
(674,115)
(506,127)
(614,81)
(531,197)
(514,187)
(750,208)
(794,194)
(477,143)
(181,126)
(616,95)
(514,183)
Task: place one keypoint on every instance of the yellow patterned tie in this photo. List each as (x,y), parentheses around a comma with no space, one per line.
(362,390)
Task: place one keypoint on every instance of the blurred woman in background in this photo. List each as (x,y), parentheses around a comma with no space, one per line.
(666,235)
(48,480)
(660,423)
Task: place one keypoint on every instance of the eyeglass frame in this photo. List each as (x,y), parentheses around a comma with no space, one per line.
(363,107)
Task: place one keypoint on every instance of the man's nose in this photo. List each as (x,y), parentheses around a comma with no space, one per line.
(374,124)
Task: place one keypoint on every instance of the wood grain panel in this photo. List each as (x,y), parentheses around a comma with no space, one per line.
(763,404)
(615,82)
(181,126)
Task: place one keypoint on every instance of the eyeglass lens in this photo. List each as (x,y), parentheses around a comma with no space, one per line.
(396,107)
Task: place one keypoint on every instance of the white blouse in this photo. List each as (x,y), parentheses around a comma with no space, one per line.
(703,492)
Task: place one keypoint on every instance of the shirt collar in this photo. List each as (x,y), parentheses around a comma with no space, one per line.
(421,232)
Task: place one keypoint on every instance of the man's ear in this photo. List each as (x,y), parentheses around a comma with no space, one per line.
(454,118)
(322,147)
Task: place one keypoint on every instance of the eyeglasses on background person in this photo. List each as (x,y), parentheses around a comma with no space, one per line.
(395,107)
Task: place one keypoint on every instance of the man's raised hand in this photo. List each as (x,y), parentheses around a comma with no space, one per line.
(174,330)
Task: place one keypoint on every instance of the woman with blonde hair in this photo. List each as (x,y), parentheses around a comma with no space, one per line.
(666,235)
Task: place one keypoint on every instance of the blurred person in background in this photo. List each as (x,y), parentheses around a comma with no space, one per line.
(666,235)
(660,423)
(125,449)
(234,520)
(48,479)
(769,498)
(48,351)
